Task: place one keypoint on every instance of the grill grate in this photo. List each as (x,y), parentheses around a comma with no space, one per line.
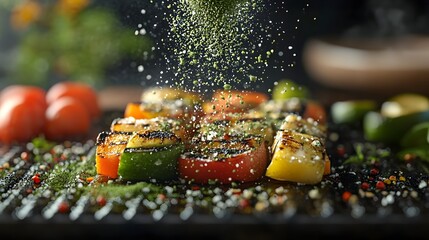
(340,200)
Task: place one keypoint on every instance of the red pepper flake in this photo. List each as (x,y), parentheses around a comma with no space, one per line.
(101,201)
(227,137)
(36,179)
(25,156)
(195,188)
(364,186)
(409,157)
(236,192)
(341,151)
(161,196)
(244,203)
(63,207)
(374,171)
(380,185)
(346,196)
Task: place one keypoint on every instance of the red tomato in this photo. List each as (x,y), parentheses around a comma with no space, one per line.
(235,101)
(20,119)
(30,93)
(80,91)
(245,167)
(67,118)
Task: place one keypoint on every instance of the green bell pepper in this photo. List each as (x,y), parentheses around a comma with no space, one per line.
(151,156)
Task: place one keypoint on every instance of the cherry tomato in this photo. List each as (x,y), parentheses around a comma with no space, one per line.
(67,118)
(80,91)
(30,93)
(20,119)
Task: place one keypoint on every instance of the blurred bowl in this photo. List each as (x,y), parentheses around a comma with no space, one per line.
(382,66)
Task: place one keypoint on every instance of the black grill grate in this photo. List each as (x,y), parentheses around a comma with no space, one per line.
(336,206)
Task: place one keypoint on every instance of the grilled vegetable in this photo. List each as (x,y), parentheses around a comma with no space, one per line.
(297,157)
(138,111)
(235,126)
(159,95)
(234,101)
(277,110)
(110,146)
(150,155)
(224,161)
(170,103)
(131,124)
(165,102)
(296,123)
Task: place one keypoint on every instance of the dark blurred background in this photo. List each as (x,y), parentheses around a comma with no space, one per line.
(46,48)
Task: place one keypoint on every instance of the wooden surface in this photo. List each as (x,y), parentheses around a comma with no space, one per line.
(117,97)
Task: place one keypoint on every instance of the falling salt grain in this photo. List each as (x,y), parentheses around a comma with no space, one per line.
(140,68)
(314,194)
(422,184)
(157,215)
(247,194)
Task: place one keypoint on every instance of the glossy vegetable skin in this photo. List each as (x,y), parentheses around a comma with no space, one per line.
(110,146)
(351,111)
(286,89)
(22,113)
(135,110)
(390,130)
(297,158)
(20,120)
(67,118)
(234,101)
(247,166)
(80,91)
(29,93)
(150,156)
(131,124)
(159,164)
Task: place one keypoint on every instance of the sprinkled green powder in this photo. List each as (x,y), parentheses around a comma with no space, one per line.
(212,41)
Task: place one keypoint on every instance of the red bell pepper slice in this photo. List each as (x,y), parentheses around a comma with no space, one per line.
(244,166)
